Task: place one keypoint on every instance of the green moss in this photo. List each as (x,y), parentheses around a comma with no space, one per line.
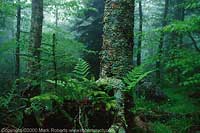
(180,125)
(44,102)
(47,97)
(110,83)
(179,102)
(158,127)
(142,105)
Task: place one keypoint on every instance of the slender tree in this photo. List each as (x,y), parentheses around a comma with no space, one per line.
(54,46)
(140,33)
(177,39)
(56,15)
(17,54)
(35,40)
(179,15)
(117,52)
(160,47)
(54,59)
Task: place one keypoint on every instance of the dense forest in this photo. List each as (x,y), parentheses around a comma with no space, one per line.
(118,66)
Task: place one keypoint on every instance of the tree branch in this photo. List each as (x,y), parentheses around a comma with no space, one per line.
(194,42)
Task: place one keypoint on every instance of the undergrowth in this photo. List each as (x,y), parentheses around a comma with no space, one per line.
(182,111)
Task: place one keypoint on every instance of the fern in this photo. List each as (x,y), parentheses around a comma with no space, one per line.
(7,99)
(81,69)
(135,76)
(59,82)
(191,81)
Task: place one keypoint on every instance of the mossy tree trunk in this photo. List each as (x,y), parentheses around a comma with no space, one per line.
(117,54)
(117,49)
(33,88)
(35,44)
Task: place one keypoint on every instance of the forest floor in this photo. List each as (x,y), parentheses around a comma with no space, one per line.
(180,114)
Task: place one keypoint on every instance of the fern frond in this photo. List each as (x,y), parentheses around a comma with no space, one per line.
(6,100)
(135,76)
(81,69)
(59,82)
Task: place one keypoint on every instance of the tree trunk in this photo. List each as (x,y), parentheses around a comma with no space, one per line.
(35,43)
(140,34)
(54,60)
(56,16)
(29,120)
(117,54)
(177,39)
(17,65)
(160,47)
(54,48)
(194,42)
(117,49)
(179,14)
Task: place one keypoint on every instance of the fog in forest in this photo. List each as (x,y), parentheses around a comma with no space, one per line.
(118,66)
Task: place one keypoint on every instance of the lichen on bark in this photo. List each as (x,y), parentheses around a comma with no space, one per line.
(117,49)
(117,52)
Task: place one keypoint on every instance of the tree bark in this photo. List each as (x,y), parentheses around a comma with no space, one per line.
(177,39)
(54,47)
(140,34)
(179,14)
(34,62)
(17,54)
(194,42)
(160,47)
(117,55)
(56,16)
(35,41)
(54,59)
(117,49)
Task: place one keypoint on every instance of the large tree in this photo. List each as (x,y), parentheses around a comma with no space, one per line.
(117,53)
(117,49)
(35,41)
